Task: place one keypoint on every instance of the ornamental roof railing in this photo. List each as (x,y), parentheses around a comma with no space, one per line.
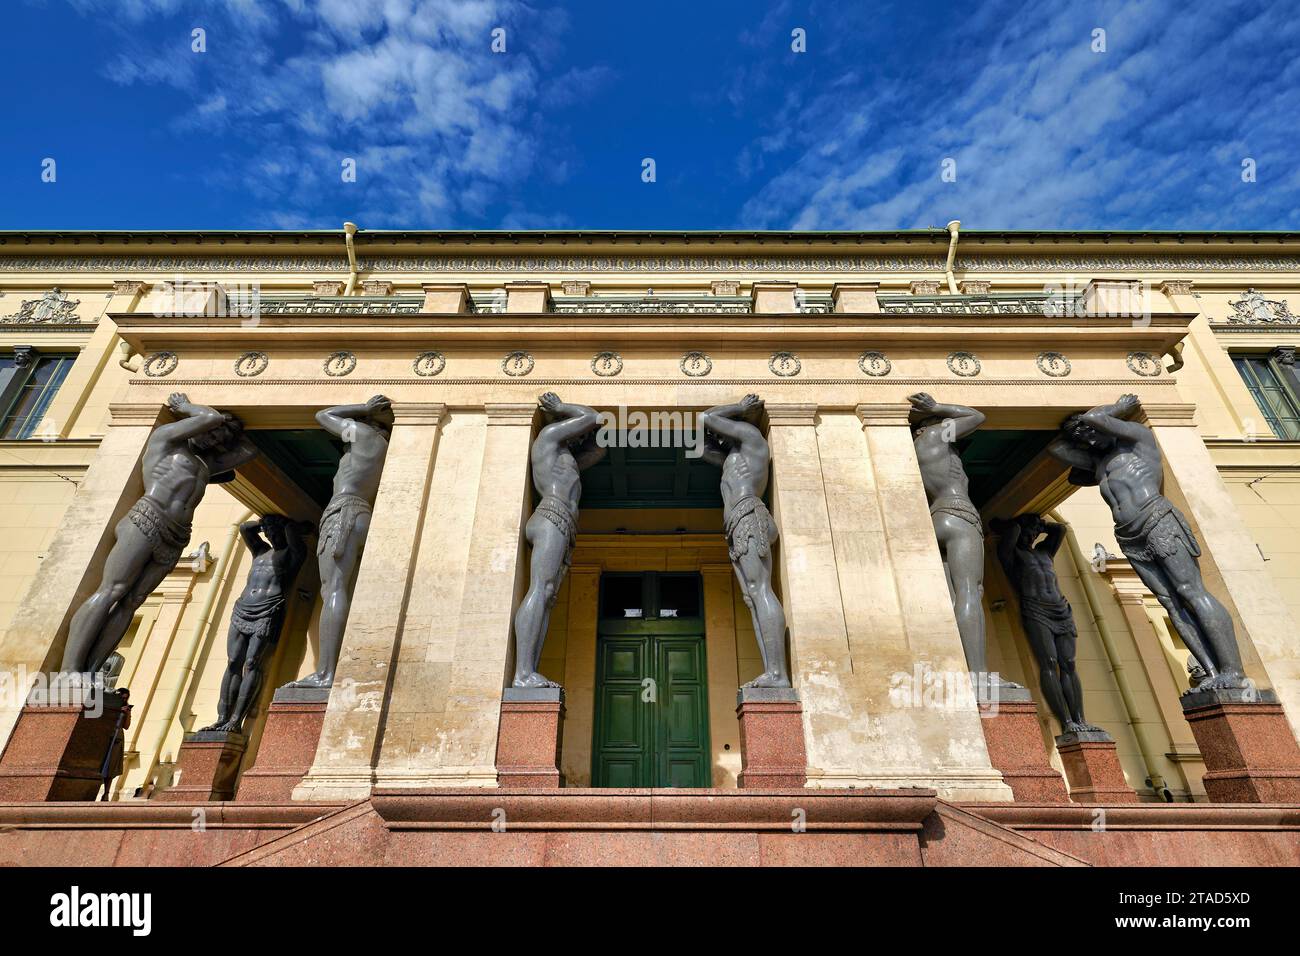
(341,305)
(1037,303)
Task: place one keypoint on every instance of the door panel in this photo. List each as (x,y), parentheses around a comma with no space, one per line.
(652,734)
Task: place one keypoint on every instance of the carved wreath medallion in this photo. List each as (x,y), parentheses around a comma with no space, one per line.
(784,364)
(607,364)
(340,363)
(1054,364)
(874,364)
(160,364)
(696,364)
(517,364)
(251,364)
(964,364)
(429,364)
(1144,364)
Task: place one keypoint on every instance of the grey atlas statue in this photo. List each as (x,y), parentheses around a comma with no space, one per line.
(276,544)
(1122,458)
(344,524)
(734,442)
(1048,621)
(562,450)
(936,429)
(180,460)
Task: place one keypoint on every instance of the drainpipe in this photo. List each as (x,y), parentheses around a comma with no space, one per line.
(953,228)
(350,230)
(218,584)
(1082,567)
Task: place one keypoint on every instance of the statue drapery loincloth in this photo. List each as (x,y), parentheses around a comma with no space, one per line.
(1157,531)
(959,508)
(168,536)
(749,523)
(556,511)
(260,619)
(1053,615)
(337,521)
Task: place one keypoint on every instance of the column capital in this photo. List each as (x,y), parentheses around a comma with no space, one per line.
(773,296)
(1166,415)
(419,413)
(801,413)
(128,286)
(1173,287)
(510,413)
(446,296)
(121,413)
(528,295)
(855,297)
(884,413)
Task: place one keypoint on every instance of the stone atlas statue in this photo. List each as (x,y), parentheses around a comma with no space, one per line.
(365,430)
(1048,621)
(1122,459)
(278,550)
(180,460)
(562,450)
(734,442)
(936,429)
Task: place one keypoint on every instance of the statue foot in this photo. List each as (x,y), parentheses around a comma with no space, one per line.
(316,680)
(533,679)
(770,679)
(1081,727)
(1224,680)
(211,727)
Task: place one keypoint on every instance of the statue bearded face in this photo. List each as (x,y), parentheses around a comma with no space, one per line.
(1031,526)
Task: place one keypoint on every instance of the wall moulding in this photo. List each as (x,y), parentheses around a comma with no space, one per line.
(706,266)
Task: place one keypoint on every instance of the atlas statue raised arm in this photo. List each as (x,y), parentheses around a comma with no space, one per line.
(562,450)
(180,460)
(734,443)
(1121,457)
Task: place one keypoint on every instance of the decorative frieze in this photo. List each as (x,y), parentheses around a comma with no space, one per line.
(924,287)
(52,308)
(1253,309)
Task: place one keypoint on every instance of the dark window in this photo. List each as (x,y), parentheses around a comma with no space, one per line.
(1268,384)
(27,391)
(679,595)
(622,596)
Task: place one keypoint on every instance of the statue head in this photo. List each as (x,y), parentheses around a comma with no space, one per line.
(379,413)
(273,526)
(1077,430)
(226,435)
(1031,526)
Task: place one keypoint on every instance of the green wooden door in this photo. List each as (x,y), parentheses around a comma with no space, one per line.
(651,726)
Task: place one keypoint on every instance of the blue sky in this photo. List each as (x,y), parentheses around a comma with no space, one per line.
(1043,130)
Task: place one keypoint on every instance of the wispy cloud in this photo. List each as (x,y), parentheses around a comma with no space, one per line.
(1045,132)
(437,121)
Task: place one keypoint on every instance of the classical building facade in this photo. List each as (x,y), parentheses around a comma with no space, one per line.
(650,633)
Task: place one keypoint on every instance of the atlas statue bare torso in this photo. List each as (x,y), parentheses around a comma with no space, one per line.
(1123,460)
(734,442)
(345,522)
(562,450)
(180,460)
(278,550)
(1048,621)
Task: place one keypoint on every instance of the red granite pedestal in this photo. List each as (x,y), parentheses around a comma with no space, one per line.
(1092,766)
(288,747)
(59,745)
(1249,751)
(528,741)
(206,767)
(1015,743)
(772,753)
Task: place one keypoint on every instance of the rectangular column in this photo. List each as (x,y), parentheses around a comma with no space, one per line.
(1266,632)
(348,748)
(821,666)
(924,728)
(457,729)
(70,572)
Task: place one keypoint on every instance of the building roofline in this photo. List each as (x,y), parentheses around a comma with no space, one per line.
(11,238)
